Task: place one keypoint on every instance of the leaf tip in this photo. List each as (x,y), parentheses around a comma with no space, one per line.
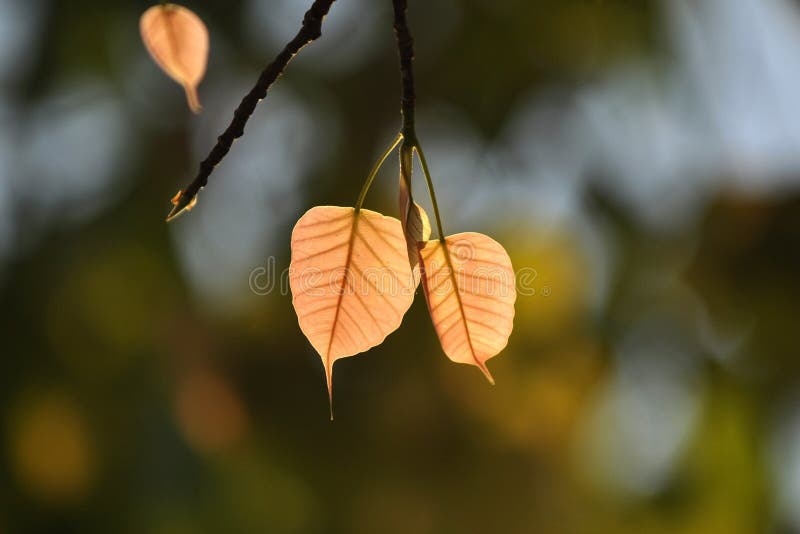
(329,380)
(486,373)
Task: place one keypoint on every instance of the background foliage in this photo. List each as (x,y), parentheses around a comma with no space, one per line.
(640,157)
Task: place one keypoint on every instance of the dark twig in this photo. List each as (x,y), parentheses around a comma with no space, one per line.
(405,48)
(309,31)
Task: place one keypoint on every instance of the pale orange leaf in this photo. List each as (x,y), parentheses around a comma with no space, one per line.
(178,42)
(416,224)
(470,288)
(350,279)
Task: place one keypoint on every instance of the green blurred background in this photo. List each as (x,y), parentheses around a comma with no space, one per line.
(640,160)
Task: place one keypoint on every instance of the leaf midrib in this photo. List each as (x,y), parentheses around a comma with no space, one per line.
(457,291)
(348,260)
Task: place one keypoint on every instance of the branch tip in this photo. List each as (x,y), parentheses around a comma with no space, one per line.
(181,203)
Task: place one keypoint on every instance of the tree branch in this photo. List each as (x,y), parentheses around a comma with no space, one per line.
(405,48)
(309,31)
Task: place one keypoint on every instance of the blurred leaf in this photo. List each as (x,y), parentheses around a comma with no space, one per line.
(178,41)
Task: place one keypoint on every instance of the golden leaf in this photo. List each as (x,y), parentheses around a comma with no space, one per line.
(470,289)
(350,279)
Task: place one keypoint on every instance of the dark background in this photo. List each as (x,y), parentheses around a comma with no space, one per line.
(639,160)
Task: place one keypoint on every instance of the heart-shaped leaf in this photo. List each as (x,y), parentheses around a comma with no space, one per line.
(178,42)
(416,224)
(350,279)
(470,289)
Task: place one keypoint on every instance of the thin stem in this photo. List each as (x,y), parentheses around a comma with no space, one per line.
(310,30)
(405,49)
(406,162)
(374,172)
(427,174)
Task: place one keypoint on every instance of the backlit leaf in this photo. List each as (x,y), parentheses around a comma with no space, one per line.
(178,41)
(350,279)
(470,288)
(416,224)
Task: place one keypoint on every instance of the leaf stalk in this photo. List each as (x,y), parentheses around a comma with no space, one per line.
(374,172)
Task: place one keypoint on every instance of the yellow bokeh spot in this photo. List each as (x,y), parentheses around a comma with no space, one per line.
(536,407)
(51,450)
(107,309)
(552,285)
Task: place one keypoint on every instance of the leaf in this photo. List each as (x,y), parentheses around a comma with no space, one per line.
(470,289)
(178,42)
(416,224)
(350,280)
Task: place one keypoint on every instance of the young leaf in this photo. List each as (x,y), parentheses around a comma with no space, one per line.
(350,280)
(416,224)
(178,42)
(470,288)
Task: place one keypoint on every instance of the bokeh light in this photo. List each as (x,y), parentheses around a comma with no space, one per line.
(52,451)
